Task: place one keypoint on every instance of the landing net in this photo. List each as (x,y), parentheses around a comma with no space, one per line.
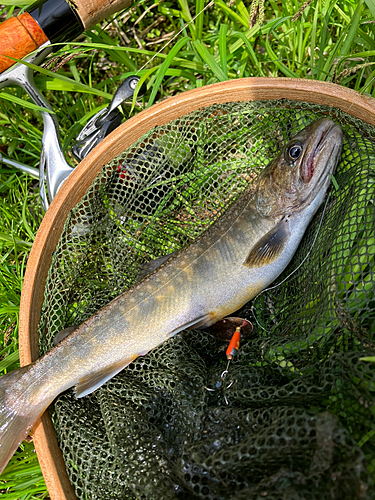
(297,421)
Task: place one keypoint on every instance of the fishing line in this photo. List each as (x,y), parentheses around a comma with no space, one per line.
(295,270)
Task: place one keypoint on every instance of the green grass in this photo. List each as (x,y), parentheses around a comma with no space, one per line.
(23,478)
(330,41)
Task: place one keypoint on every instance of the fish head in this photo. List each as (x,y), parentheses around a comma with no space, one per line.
(302,170)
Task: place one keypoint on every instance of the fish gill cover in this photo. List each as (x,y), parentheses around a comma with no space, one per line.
(294,419)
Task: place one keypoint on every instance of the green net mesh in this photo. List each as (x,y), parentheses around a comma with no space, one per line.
(294,417)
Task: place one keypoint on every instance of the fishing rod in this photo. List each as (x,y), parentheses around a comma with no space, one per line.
(51,21)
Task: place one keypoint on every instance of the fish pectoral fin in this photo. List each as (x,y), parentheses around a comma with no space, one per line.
(63,334)
(198,323)
(89,383)
(150,267)
(270,246)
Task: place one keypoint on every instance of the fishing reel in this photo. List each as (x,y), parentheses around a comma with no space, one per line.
(54,169)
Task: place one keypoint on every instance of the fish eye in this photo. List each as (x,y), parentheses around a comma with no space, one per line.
(294,152)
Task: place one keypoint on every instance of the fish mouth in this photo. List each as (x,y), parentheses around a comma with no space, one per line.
(328,136)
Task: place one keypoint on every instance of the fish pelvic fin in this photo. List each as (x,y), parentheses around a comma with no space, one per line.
(89,383)
(270,246)
(17,413)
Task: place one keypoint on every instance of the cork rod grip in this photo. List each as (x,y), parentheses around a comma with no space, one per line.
(19,36)
(93,11)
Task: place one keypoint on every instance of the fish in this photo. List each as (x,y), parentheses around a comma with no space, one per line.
(239,255)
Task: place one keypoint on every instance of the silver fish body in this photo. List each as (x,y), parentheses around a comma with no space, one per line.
(236,258)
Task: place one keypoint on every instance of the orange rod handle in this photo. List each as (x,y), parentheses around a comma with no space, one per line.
(19,36)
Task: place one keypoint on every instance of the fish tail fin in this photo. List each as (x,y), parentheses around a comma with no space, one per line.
(17,415)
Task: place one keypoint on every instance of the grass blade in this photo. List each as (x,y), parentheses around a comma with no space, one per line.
(163,68)
(324,36)
(251,52)
(23,103)
(199,6)
(9,361)
(15,241)
(244,13)
(233,15)
(353,29)
(371,5)
(223,48)
(209,60)
(368,39)
(277,62)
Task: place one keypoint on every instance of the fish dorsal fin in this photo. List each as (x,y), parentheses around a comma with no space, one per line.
(89,383)
(150,267)
(63,334)
(270,246)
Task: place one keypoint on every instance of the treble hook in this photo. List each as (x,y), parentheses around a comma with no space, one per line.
(231,352)
(232,349)
(222,386)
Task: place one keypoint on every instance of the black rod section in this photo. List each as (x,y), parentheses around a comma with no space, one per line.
(58,20)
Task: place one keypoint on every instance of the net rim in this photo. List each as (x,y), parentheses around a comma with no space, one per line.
(245,89)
